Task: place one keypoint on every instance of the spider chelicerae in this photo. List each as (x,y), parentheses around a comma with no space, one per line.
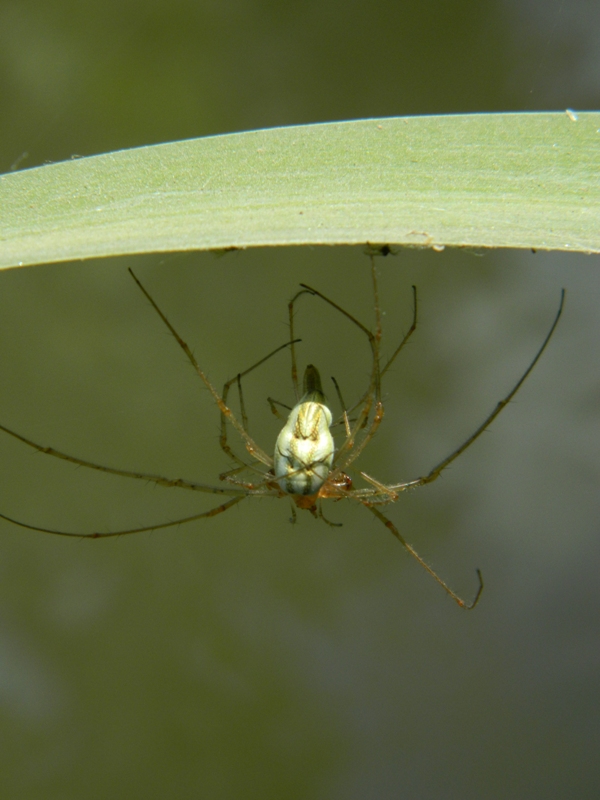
(306,466)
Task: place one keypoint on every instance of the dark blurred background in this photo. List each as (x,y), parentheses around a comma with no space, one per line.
(242,656)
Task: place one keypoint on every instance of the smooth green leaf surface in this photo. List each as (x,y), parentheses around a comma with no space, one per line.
(485,180)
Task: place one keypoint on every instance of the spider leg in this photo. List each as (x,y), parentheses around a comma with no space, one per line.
(224,419)
(396,352)
(391,527)
(258,488)
(274,410)
(238,380)
(328,521)
(374,391)
(381,489)
(294,517)
(355,452)
(269,481)
(229,474)
(213,512)
(372,337)
(407,336)
(157,479)
(295,382)
(251,446)
(437,470)
(345,417)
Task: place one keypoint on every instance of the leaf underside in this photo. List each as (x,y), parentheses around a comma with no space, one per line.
(484,180)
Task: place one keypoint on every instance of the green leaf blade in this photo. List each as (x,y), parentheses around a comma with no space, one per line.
(486,180)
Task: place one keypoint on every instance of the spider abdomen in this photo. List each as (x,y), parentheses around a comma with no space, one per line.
(304,448)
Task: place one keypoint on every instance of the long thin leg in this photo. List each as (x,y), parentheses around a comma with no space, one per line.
(391,527)
(157,479)
(407,336)
(295,382)
(237,379)
(348,452)
(275,411)
(213,512)
(316,293)
(374,390)
(362,418)
(350,435)
(251,446)
(322,516)
(400,347)
(356,451)
(179,483)
(437,470)
(345,418)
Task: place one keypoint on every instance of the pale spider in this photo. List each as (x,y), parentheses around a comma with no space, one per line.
(305,467)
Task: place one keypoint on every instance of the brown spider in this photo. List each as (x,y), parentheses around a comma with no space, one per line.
(305,467)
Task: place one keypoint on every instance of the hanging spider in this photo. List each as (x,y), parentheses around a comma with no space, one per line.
(305,467)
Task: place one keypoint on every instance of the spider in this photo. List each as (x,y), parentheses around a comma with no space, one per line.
(306,467)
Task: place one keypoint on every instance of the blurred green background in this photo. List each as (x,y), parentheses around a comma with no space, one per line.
(242,656)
